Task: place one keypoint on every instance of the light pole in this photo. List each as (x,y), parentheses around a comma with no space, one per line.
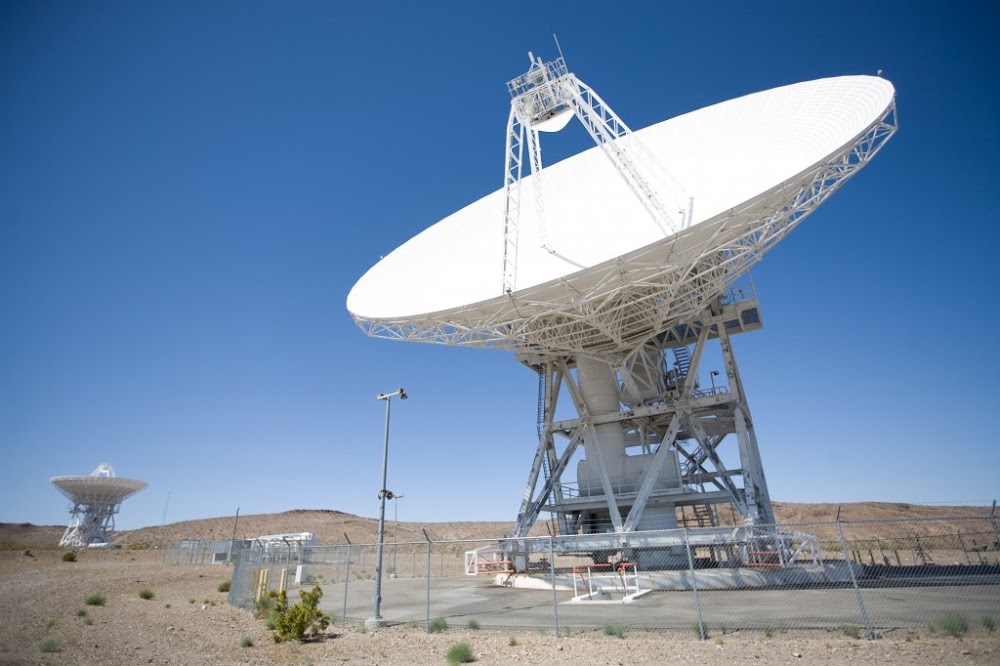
(233,540)
(713,375)
(376,619)
(395,531)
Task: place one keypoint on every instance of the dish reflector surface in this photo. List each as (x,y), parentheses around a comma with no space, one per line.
(97,489)
(724,157)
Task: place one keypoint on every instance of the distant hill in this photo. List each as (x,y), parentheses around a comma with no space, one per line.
(331,526)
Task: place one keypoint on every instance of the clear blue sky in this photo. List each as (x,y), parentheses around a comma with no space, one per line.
(188,190)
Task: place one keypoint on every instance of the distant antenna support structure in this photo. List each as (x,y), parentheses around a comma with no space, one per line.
(95,501)
(545,99)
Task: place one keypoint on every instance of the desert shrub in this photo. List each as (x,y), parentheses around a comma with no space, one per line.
(459,653)
(69,556)
(768,631)
(246,641)
(81,612)
(304,617)
(701,630)
(271,621)
(225,585)
(50,623)
(851,631)
(96,599)
(49,645)
(265,604)
(142,545)
(472,624)
(87,620)
(988,623)
(146,593)
(166,605)
(616,630)
(437,625)
(511,641)
(952,624)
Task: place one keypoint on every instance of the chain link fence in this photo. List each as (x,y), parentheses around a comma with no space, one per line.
(864,578)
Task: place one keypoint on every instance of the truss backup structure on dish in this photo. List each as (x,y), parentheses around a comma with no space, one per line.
(612,274)
(95,501)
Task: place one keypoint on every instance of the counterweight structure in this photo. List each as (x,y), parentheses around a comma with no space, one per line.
(95,501)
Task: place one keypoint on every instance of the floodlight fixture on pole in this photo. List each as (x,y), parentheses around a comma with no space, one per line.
(713,375)
(376,620)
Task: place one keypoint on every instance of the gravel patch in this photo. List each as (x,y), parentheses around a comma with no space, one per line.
(44,620)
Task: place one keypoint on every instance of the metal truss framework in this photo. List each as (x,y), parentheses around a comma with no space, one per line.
(89,523)
(549,90)
(678,422)
(620,305)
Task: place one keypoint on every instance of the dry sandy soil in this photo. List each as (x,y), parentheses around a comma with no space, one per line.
(188,621)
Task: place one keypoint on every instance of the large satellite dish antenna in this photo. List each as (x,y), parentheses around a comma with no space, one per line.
(617,276)
(96,499)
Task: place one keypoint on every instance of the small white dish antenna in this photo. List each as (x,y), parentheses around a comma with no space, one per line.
(95,501)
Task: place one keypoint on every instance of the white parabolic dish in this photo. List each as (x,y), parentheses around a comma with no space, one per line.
(97,489)
(753,168)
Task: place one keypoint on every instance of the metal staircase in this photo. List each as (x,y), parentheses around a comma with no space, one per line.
(701,515)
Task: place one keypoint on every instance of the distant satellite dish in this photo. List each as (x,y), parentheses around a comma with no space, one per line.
(733,179)
(96,499)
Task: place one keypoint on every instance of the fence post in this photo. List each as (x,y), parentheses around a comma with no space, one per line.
(555,598)
(854,580)
(702,632)
(993,520)
(347,577)
(427,618)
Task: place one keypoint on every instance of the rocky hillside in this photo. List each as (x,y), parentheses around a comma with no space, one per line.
(331,526)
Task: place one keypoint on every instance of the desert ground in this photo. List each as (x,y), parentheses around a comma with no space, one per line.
(44,618)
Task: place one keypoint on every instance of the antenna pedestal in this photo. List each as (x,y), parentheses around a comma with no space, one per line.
(648,441)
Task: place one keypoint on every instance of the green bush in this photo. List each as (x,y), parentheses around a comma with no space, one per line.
(246,642)
(459,653)
(69,556)
(265,604)
(49,645)
(988,623)
(81,612)
(851,631)
(191,600)
(87,620)
(437,625)
(701,631)
(96,599)
(224,585)
(294,622)
(472,624)
(952,624)
(616,630)
(146,593)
